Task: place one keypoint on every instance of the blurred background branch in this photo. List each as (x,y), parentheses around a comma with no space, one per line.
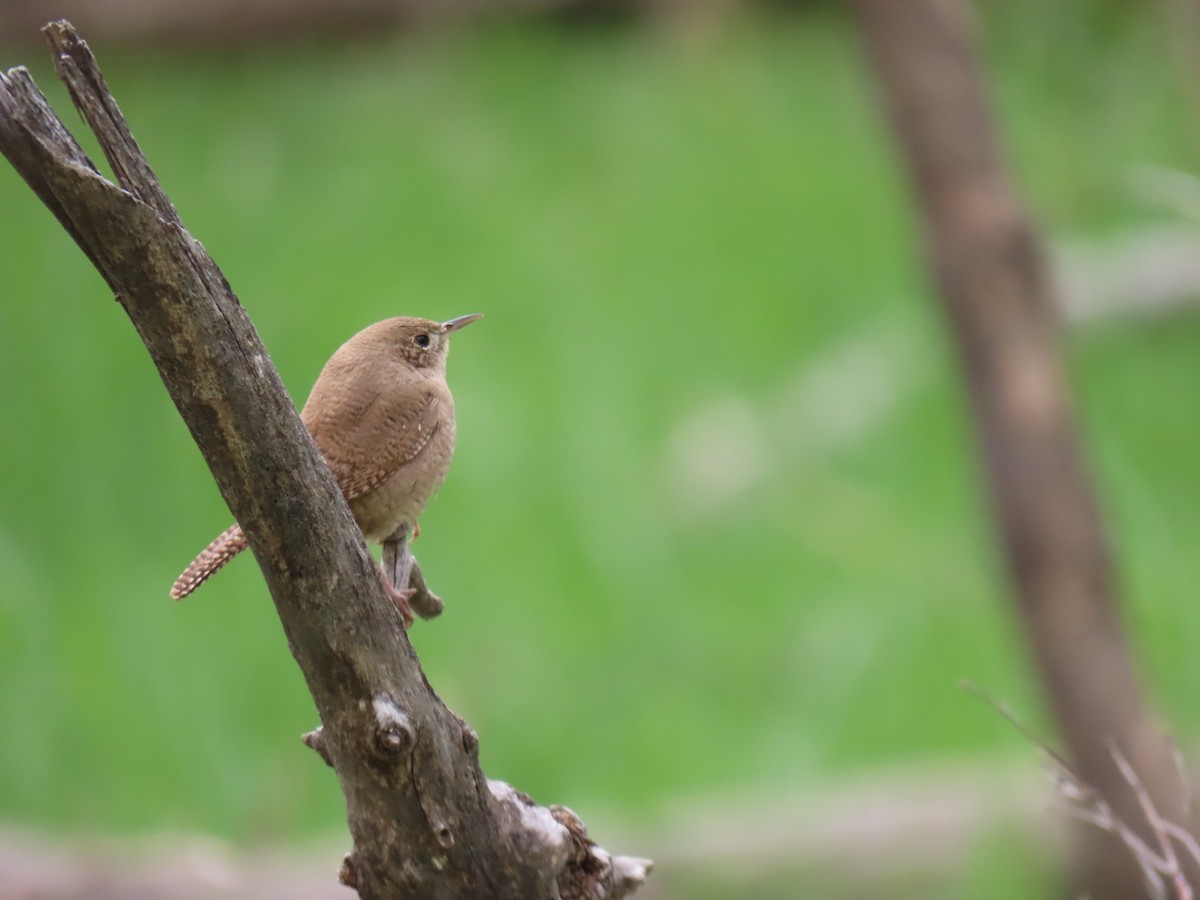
(987,263)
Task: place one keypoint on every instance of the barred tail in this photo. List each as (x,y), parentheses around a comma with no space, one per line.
(229,544)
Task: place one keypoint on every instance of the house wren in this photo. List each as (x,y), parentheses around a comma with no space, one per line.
(383,418)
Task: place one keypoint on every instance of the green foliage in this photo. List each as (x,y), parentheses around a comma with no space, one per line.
(714,520)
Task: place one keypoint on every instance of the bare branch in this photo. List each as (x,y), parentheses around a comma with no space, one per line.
(422,816)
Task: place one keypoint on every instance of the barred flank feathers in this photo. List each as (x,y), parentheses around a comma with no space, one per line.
(229,544)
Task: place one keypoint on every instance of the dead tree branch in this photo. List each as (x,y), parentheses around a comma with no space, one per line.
(987,265)
(424,820)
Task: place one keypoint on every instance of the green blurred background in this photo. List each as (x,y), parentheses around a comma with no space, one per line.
(713,534)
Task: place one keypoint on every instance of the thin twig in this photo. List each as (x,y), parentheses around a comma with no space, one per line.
(1085,803)
(1171,868)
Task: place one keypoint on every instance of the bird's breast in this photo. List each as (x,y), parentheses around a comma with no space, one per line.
(402,497)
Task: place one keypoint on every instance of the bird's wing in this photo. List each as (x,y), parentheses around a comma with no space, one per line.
(365,443)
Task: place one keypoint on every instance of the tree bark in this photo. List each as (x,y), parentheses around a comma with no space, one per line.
(424,819)
(986,262)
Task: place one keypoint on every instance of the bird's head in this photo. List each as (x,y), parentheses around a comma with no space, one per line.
(422,343)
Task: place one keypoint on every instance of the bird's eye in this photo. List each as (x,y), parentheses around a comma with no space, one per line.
(422,340)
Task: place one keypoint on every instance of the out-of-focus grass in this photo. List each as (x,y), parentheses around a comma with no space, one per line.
(713,520)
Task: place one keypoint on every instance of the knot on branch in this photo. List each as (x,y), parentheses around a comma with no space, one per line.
(393,731)
(348,874)
(470,741)
(315,740)
(443,834)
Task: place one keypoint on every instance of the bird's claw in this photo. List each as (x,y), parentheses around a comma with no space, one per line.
(400,599)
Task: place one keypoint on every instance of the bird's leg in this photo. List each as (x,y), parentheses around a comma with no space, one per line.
(397,558)
(416,530)
(396,570)
(400,567)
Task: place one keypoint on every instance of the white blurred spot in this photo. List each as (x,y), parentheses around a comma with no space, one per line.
(717,454)
(1150,270)
(1170,189)
(728,447)
(837,398)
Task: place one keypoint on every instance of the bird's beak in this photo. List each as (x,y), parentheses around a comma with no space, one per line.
(455,324)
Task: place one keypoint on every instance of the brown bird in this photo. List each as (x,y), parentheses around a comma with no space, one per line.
(383,418)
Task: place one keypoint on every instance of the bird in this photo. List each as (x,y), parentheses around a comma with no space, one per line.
(382,417)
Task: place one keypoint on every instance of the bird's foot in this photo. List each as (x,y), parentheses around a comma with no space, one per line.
(401,601)
(400,598)
(416,530)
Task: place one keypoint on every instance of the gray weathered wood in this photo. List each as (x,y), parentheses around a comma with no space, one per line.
(424,820)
